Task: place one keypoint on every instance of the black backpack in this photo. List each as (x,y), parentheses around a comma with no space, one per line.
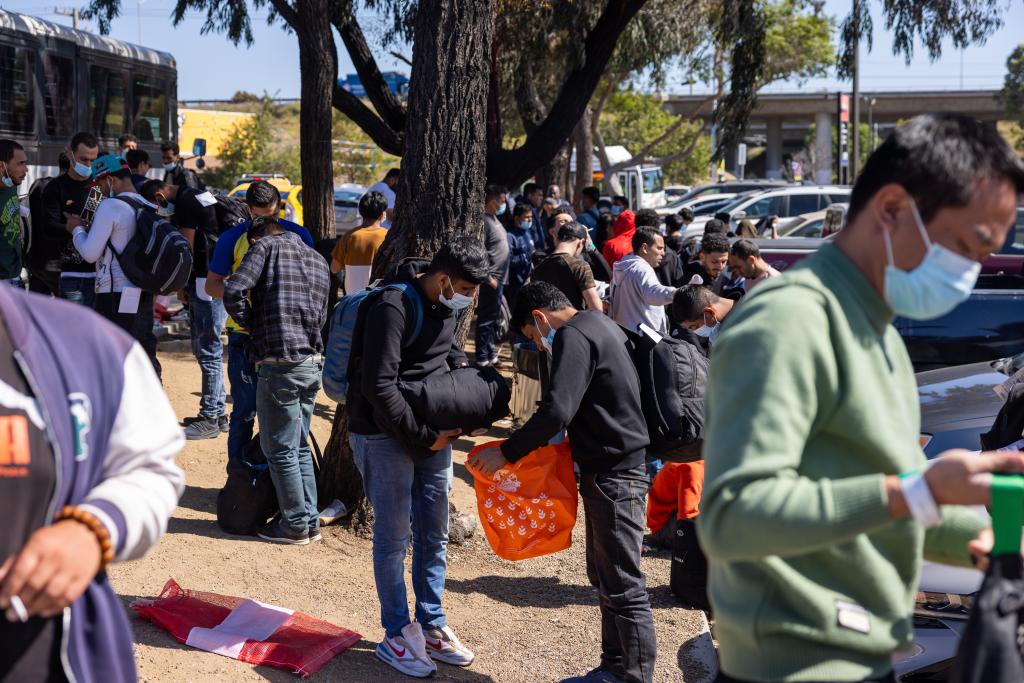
(673,376)
(230,212)
(157,258)
(248,498)
(688,576)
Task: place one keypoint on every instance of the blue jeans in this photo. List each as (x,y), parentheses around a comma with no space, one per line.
(81,290)
(207,323)
(285,396)
(242,377)
(401,488)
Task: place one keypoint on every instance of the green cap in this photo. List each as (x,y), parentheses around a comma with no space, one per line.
(108,163)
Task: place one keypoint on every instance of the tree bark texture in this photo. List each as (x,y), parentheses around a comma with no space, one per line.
(584,142)
(441,189)
(318,70)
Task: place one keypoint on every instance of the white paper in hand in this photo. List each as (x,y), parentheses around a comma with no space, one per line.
(129,300)
(206,198)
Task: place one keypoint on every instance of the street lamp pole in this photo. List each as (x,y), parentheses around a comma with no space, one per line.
(855,138)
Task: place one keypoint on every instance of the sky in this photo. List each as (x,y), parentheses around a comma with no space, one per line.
(211,67)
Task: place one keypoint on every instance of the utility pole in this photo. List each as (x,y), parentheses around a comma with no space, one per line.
(68,12)
(855,138)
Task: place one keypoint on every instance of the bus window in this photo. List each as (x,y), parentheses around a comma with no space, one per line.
(150,107)
(58,95)
(107,102)
(652,180)
(17,107)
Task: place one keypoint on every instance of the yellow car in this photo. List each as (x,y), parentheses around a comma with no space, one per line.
(291,195)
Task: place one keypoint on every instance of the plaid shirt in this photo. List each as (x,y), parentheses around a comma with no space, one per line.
(287,283)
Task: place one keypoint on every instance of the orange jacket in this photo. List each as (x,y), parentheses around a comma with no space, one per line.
(675,491)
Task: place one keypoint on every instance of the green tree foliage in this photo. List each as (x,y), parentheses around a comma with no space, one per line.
(356,159)
(632,119)
(798,41)
(1012,94)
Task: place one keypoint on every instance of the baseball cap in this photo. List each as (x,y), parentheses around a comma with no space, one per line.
(107,164)
(572,231)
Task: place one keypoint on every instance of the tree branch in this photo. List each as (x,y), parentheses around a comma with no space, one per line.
(528,102)
(399,56)
(384,136)
(602,156)
(685,152)
(287,13)
(669,132)
(514,166)
(390,109)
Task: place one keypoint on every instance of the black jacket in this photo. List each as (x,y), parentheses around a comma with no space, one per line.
(466,398)
(379,363)
(62,196)
(594,390)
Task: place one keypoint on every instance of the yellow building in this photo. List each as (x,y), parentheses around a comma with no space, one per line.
(214,126)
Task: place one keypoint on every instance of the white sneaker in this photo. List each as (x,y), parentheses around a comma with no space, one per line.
(407,652)
(444,646)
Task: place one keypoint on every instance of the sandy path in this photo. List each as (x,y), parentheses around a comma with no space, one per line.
(533,621)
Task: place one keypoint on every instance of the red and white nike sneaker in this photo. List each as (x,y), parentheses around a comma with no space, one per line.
(444,646)
(407,652)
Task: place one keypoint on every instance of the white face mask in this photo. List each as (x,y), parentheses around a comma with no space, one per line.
(709,332)
(457,302)
(936,286)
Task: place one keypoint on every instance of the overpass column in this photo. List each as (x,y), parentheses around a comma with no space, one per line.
(773,149)
(823,148)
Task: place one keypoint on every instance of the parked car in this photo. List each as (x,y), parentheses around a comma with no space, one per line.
(674,192)
(986,327)
(784,202)
(817,224)
(346,208)
(701,206)
(735,186)
(958,405)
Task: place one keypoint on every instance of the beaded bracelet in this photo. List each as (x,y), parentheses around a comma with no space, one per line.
(95,526)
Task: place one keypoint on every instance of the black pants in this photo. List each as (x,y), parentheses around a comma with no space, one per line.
(488,316)
(891,678)
(42,281)
(614,507)
(138,324)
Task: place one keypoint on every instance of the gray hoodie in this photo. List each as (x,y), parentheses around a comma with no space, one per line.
(637,296)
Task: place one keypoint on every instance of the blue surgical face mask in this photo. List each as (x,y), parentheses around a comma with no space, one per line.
(457,302)
(6,180)
(167,210)
(936,286)
(170,166)
(548,341)
(709,332)
(616,210)
(502,209)
(81,170)
(526,225)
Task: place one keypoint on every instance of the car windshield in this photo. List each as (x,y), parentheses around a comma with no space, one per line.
(652,180)
(708,208)
(346,198)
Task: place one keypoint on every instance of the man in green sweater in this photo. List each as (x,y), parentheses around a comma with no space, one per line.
(814,539)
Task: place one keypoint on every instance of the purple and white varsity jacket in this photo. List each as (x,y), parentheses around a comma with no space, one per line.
(114,436)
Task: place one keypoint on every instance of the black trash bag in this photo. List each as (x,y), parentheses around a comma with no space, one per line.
(248,499)
(990,650)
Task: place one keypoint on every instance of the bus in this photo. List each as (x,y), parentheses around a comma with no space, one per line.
(57,81)
(641,184)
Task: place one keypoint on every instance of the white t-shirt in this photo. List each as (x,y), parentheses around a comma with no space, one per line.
(388,193)
(112,226)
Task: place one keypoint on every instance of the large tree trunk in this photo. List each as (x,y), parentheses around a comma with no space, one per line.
(584,142)
(318,70)
(441,190)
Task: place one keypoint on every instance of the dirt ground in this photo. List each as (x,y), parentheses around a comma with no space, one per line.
(532,622)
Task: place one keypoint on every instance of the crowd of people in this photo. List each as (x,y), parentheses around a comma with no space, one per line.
(813,501)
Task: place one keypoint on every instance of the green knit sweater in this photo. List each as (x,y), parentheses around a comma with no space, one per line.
(812,401)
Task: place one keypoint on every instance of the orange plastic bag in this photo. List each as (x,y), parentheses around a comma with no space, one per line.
(528,509)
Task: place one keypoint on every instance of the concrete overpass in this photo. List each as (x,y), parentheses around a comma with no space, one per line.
(783,119)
